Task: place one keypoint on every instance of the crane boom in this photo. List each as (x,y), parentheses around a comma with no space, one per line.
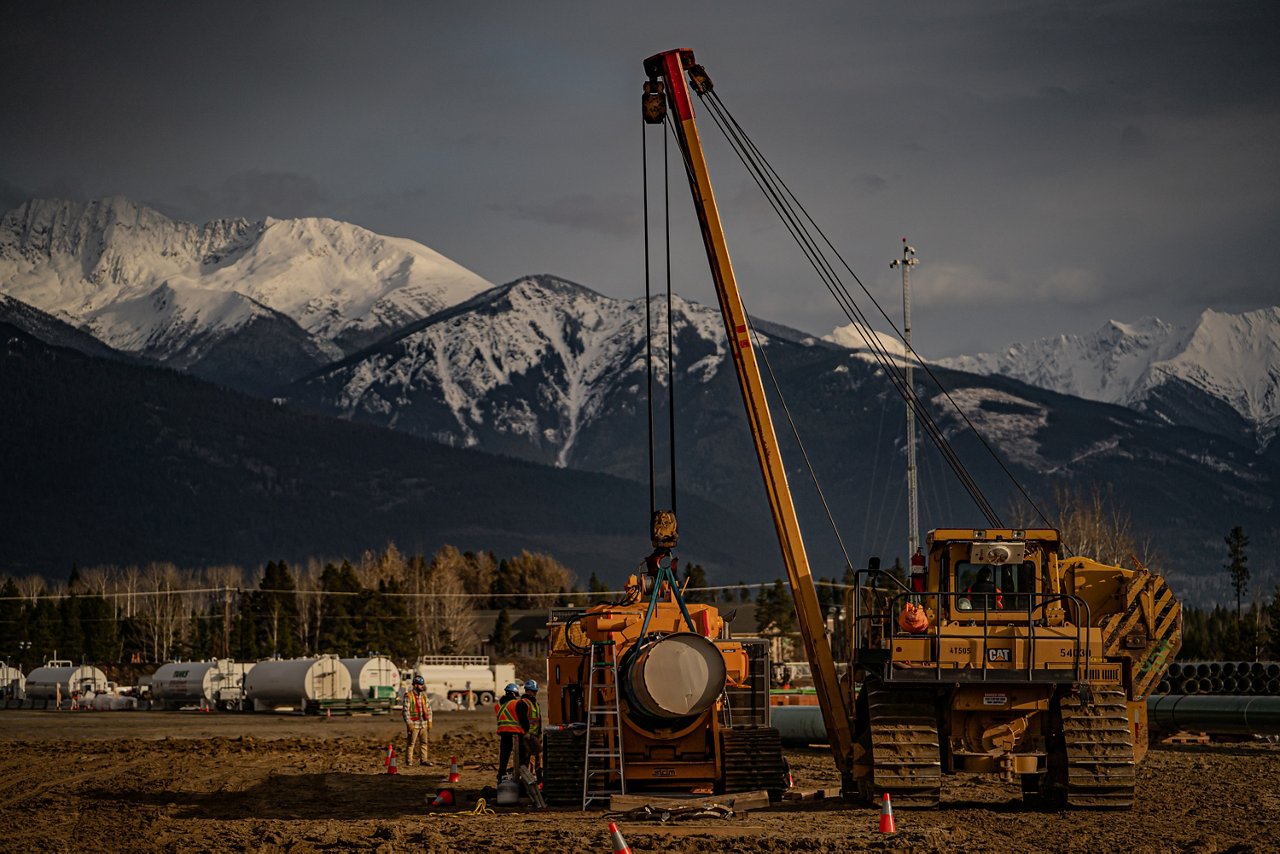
(670,67)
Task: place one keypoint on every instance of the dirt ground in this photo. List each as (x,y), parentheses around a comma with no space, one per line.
(185,781)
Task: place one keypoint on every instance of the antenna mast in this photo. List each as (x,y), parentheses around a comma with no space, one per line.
(908,261)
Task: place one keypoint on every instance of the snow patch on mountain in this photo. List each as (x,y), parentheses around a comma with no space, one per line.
(159,323)
(1232,357)
(852,337)
(101,262)
(1235,358)
(538,357)
(1006,421)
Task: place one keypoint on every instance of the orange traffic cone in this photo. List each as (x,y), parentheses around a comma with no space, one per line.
(454,776)
(620,845)
(328,713)
(444,798)
(392,765)
(886,816)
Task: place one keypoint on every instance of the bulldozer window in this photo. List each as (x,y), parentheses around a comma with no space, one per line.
(1003,587)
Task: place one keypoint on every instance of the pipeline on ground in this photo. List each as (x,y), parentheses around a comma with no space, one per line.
(802,725)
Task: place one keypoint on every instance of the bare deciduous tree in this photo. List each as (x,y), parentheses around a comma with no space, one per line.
(1097,526)
(229,580)
(444,619)
(383,567)
(163,614)
(308,595)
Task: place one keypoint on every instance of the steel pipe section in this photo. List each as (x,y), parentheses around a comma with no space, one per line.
(799,725)
(1225,715)
(1221,677)
(802,725)
(676,676)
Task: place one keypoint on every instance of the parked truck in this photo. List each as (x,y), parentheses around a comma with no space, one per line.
(464,679)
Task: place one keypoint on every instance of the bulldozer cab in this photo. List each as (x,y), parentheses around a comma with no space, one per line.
(992,581)
(1004,576)
(984,602)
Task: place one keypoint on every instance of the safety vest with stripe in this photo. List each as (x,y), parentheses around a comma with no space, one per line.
(508,719)
(535,717)
(416,708)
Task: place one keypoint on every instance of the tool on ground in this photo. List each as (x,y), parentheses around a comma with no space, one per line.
(525,776)
(664,815)
(481,808)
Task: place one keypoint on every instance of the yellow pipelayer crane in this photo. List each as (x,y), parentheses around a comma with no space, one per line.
(1001,656)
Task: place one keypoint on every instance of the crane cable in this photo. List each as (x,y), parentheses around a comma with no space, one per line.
(851,309)
(813,474)
(717,104)
(648,325)
(750,154)
(855,314)
(648,321)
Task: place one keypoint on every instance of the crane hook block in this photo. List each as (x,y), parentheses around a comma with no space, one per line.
(662,529)
(655,102)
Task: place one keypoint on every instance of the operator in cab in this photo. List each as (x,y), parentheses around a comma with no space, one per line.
(986,584)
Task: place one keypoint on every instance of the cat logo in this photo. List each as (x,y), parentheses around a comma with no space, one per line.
(999,655)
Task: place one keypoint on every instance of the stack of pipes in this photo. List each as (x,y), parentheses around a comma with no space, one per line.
(1257,678)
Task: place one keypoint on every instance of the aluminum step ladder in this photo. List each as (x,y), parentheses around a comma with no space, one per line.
(602,772)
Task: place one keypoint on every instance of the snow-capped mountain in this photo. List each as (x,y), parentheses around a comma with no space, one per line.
(851,337)
(171,290)
(523,368)
(1184,375)
(550,371)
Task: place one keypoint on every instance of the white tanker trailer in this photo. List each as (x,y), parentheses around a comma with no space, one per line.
(12,683)
(373,678)
(456,676)
(291,683)
(58,679)
(217,684)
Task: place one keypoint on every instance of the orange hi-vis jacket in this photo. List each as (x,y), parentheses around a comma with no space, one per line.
(508,718)
(416,708)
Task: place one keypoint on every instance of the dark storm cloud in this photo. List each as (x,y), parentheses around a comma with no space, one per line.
(11,195)
(616,217)
(869,185)
(1056,163)
(254,194)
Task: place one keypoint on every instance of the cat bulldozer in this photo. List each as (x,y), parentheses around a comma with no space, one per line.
(1001,655)
(998,656)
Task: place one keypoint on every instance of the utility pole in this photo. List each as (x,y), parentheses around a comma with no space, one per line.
(226,622)
(908,261)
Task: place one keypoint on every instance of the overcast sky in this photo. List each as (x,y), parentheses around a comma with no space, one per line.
(1055,164)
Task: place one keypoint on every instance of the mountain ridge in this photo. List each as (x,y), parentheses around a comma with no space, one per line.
(1228,358)
(131,463)
(167,289)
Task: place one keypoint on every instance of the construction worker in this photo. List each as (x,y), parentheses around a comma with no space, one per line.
(533,735)
(513,723)
(417,720)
